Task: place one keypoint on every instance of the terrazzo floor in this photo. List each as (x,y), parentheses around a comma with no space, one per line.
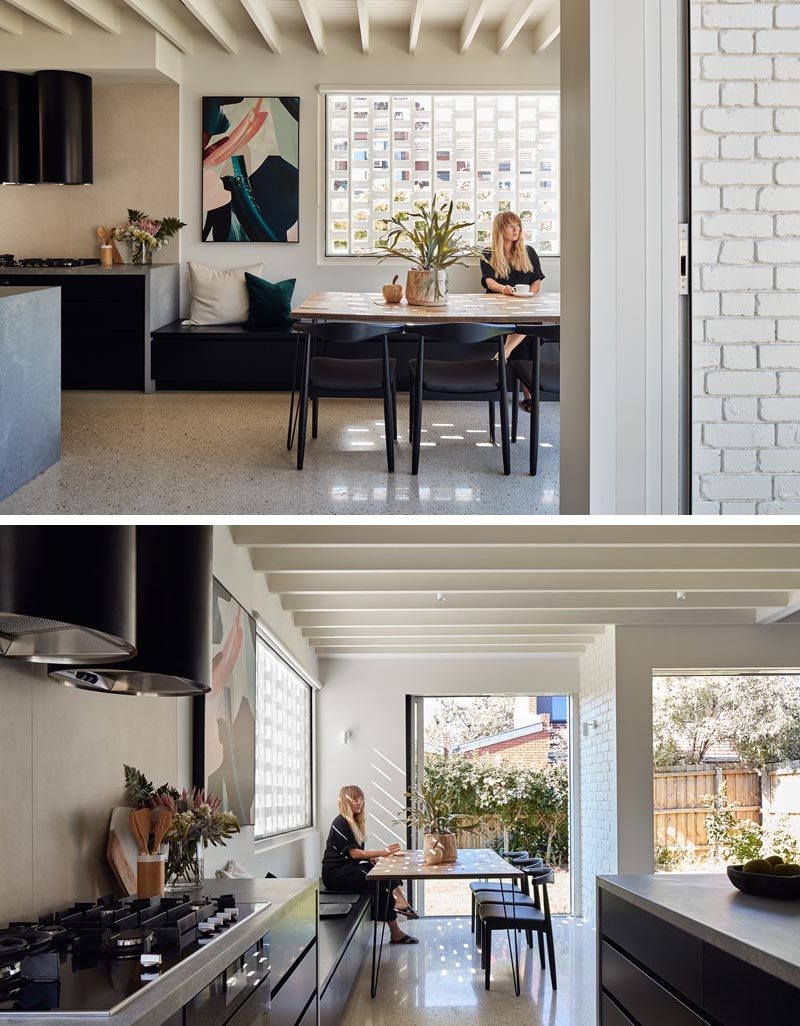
(439,981)
(225,452)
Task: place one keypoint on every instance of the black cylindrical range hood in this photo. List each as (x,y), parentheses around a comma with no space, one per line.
(173,619)
(67,594)
(65,128)
(18,129)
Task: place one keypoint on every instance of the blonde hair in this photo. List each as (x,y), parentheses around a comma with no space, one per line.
(519,261)
(358,824)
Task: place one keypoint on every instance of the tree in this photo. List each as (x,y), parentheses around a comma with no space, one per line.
(758,715)
(452,721)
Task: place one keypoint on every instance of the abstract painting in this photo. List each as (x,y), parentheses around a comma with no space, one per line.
(250,168)
(230,726)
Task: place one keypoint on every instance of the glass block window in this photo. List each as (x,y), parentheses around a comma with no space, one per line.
(387,153)
(283,745)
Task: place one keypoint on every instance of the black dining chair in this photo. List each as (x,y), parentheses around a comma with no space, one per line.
(519,913)
(347,377)
(482,379)
(483,889)
(536,375)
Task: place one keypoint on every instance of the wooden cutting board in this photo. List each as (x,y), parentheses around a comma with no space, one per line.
(122,850)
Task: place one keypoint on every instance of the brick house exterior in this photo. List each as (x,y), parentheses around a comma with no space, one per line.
(526,747)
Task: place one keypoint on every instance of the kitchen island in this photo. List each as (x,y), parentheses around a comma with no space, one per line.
(30,384)
(689,949)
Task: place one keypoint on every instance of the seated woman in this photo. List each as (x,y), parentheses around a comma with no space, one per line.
(508,263)
(346,863)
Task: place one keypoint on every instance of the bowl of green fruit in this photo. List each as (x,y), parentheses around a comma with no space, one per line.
(768,878)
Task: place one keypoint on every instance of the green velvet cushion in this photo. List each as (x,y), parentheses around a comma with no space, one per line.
(270,302)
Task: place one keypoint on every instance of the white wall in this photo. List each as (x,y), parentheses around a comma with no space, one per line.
(298,71)
(597,773)
(367,696)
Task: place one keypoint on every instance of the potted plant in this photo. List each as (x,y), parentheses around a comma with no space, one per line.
(429,238)
(428,809)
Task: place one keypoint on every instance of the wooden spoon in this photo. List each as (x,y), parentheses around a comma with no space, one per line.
(163,822)
(143,822)
(141,842)
(101,234)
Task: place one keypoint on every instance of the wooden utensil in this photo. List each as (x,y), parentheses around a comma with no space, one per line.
(101,234)
(142,817)
(163,822)
(137,833)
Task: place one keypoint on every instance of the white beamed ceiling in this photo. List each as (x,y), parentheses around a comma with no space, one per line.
(372,589)
(227,20)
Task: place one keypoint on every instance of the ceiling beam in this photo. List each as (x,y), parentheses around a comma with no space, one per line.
(446,631)
(513,23)
(262,18)
(337,653)
(314,23)
(49,12)
(502,617)
(215,22)
(601,604)
(363,24)
(10,19)
(471,24)
(416,24)
(164,20)
(524,537)
(104,13)
(547,29)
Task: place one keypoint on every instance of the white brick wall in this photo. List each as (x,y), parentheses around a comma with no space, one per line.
(746,256)
(598,775)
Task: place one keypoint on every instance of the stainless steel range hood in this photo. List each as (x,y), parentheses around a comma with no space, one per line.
(173,620)
(67,594)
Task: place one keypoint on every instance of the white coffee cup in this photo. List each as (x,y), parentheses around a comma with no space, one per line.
(522,290)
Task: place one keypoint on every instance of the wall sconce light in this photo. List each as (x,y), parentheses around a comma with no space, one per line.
(346,735)
(589,725)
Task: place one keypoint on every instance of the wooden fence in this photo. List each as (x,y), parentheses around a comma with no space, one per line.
(679,817)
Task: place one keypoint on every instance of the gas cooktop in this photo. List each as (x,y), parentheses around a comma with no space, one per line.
(93,957)
(7,260)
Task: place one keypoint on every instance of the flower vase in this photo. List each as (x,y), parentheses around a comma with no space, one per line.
(141,253)
(185,866)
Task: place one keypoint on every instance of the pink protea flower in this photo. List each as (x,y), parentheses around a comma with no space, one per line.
(149,224)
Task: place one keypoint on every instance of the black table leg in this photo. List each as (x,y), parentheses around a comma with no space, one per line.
(377,947)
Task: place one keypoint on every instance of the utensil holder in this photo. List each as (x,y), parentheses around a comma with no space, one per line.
(150,876)
(106,256)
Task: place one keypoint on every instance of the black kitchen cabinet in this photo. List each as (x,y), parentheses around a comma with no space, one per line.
(234,991)
(107,317)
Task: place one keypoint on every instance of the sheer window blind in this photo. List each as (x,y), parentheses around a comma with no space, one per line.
(283,745)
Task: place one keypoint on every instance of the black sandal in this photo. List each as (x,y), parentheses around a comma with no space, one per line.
(407,939)
(408,912)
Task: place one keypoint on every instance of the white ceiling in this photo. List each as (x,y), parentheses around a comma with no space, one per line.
(230,21)
(370,589)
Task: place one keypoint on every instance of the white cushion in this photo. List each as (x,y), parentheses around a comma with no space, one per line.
(219,296)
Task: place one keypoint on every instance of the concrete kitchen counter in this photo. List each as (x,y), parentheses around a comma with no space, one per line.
(161,1001)
(30,383)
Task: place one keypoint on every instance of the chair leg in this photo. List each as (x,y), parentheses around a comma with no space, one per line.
(388,418)
(302,422)
(551,958)
(491,423)
(487,955)
(514,410)
(417,440)
(504,437)
(314,417)
(540,939)
(411,412)
(534,432)
(472,915)
(394,406)
(529,937)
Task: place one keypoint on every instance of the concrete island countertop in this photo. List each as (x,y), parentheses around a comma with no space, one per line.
(764,932)
(88,269)
(6,291)
(164,997)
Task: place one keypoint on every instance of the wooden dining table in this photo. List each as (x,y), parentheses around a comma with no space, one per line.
(470,864)
(475,307)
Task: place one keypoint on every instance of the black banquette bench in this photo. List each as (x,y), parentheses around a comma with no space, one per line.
(343,947)
(230,357)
